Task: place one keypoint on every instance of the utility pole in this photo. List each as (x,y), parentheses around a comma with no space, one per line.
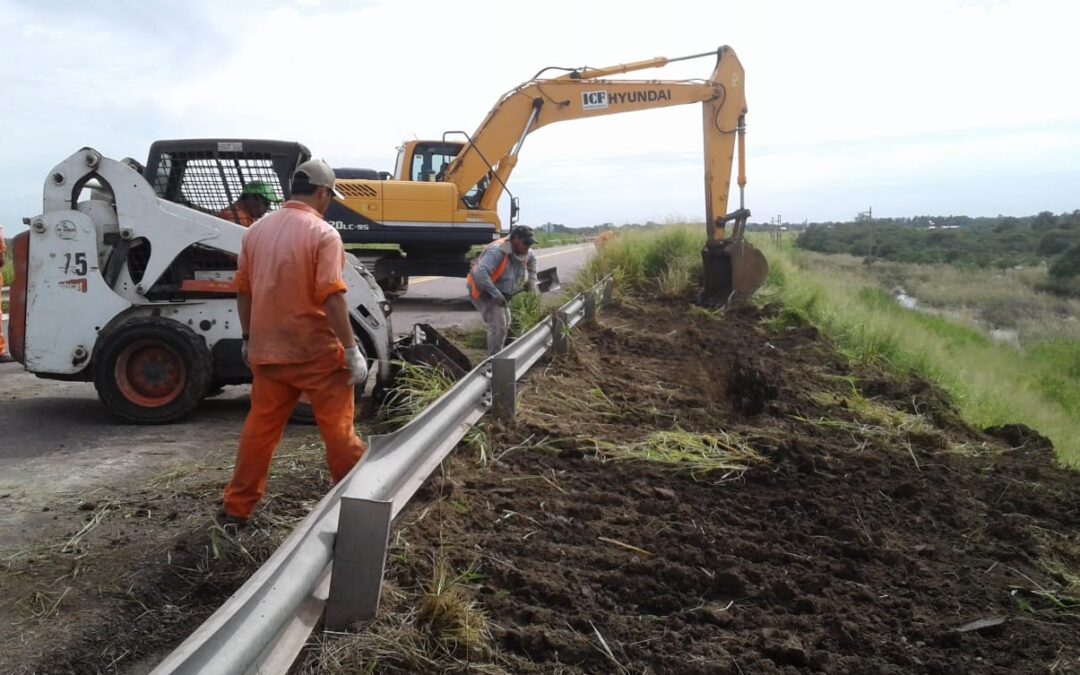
(868,216)
(870,231)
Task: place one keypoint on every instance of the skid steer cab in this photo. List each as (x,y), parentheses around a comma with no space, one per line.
(126,278)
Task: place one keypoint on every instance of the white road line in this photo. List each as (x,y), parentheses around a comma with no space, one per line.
(421,280)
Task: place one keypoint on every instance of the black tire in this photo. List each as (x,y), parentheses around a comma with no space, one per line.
(395,287)
(152,371)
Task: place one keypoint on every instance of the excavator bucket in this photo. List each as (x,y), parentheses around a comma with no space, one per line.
(733,270)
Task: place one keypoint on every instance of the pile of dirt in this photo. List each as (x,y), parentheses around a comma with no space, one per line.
(881,533)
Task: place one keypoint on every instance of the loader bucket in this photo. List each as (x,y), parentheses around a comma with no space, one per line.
(548,280)
(732,270)
(427,346)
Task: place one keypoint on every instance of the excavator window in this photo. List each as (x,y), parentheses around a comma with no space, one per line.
(428,167)
(430,161)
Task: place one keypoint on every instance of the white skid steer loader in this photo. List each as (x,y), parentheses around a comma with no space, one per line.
(126,278)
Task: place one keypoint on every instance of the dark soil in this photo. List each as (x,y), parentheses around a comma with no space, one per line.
(881,535)
(871,541)
(150,567)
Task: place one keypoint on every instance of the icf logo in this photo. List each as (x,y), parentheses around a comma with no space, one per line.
(591,100)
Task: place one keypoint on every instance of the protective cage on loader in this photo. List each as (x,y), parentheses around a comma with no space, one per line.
(126,277)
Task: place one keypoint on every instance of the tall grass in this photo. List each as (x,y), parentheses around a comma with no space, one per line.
(666,260)
(991,383)
(984,298)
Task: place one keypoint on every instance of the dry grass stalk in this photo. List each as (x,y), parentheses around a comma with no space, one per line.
(700,454)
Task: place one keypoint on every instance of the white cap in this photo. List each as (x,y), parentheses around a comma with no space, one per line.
(317,172)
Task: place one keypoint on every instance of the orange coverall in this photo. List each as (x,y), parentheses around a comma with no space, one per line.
(290,262)
(240,217)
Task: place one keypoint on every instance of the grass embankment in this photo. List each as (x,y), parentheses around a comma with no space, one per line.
(1037,385)
(985,299)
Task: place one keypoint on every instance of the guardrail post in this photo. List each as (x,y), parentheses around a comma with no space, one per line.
(359,561)
(504,388)
(608,292)
(590,305)
(560,333)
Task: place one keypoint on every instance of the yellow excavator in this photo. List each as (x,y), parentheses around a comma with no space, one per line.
(442,198)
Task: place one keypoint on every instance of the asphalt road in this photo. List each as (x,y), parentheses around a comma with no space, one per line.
(56,436)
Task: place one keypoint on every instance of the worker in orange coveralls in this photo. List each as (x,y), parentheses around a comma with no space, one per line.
(254,202)
(3,347)
(297,337)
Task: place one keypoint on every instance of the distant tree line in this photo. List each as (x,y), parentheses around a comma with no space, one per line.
(1002,242)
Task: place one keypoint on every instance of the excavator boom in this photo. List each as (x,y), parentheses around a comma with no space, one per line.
(445,194)
(732,266)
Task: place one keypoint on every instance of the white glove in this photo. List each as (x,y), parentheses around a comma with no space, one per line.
(358,370)
(532,287)
(244,353)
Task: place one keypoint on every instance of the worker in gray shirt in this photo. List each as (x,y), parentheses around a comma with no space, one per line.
(506,267)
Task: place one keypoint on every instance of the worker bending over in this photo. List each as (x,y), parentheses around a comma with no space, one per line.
(506,267)
(297,337)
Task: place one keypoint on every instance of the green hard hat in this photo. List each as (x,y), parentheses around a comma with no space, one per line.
(261,189)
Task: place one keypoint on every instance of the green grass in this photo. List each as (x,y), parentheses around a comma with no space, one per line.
(984,299)
(416,387)
(666,260)
(991,383)
(545,240)
(526,310)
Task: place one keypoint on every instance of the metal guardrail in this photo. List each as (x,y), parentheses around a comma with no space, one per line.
(264,625)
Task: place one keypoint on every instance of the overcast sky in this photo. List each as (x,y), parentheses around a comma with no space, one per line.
(914,107)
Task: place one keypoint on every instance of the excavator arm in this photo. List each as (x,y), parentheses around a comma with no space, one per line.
(492,151)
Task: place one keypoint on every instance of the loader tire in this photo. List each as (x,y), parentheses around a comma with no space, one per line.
(152,371)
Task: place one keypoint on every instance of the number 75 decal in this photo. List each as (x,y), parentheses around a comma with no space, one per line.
(75,264)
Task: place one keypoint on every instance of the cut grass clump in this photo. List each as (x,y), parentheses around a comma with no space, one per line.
(526,310)
(436,629)
(698,454)
(455,621)
(416,387)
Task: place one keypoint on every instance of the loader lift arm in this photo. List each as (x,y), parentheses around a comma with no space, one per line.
(486,161)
